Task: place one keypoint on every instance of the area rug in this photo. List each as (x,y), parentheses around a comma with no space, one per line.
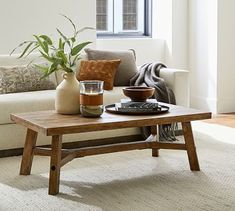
(131,180)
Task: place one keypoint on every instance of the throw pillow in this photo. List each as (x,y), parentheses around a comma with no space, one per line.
(23,79)
(103,70)
(127,68)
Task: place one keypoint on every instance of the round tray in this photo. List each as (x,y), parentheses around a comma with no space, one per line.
(111,109)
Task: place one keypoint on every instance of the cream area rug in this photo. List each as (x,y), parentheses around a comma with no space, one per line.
(131,180)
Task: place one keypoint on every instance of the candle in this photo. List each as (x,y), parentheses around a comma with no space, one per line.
(91,98)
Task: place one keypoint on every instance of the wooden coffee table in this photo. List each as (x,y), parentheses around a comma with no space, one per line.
(52,124)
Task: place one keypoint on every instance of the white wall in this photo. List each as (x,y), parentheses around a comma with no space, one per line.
(203,53)
(212,60)
(175,17)
(147,49)
(19,20)
(169,42)
(226,56)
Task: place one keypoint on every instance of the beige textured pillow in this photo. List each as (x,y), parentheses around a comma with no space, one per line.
(127,68)
(103,70)
(23,78)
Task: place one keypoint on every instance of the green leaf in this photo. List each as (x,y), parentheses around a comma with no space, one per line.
(36,46)
(48,70)
(78,48)
(60,44)
(46,47)
(54,66)
(46,38)
(75,59)
(50,59)
(62,55)
(44,69)
(25,50)
(20,45)
(74,27)
(64,37)
(73,39)
(41,43)
(83,29)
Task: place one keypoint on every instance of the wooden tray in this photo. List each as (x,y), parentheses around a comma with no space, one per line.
(111,109)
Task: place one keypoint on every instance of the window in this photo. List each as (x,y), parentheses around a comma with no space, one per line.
(123,17)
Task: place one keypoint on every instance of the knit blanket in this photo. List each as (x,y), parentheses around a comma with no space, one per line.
(149,76)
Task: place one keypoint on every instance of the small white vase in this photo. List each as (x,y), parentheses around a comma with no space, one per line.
(67,100)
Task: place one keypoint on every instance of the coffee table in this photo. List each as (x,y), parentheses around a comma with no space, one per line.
(55,125)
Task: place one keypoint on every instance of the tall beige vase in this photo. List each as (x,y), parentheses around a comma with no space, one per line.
(67,95)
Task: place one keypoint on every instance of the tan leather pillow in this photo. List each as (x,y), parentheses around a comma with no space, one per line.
(103,70)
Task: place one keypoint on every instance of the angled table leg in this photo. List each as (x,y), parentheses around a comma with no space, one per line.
(190,146)
(54,180)
(155,151)
(27,158)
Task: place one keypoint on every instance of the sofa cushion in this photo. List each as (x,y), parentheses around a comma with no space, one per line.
(25,101)
(103,70)
(24,78)
(127,68)
(41,100)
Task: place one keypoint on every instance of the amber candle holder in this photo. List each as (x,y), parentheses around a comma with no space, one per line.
(91,98)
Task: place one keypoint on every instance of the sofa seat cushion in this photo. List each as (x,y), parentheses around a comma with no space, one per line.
(41,100)
(24,102)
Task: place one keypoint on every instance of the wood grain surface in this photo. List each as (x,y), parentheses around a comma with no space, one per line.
(50,123)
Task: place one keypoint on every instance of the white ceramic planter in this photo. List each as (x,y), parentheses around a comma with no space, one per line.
(68,95)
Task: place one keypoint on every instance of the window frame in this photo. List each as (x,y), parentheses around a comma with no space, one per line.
(112,32)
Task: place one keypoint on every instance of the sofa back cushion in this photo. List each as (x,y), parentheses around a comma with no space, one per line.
(127,68)
(23,78)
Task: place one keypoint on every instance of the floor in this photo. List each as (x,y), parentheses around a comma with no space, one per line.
(131,180)
(223,119)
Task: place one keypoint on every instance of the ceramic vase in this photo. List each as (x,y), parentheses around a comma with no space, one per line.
(68,95)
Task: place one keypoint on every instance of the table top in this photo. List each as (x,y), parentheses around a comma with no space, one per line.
(51,123)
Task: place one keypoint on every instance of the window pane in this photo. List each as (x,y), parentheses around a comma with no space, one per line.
(123,17)
(130,14)
(101,15)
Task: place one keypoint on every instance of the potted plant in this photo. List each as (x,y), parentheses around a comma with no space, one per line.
(61,55)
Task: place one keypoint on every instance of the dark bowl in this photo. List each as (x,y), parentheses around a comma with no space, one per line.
(138,93)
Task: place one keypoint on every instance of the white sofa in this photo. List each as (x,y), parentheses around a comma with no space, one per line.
(12,136)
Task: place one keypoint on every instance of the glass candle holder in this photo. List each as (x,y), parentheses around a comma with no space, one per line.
(91,98)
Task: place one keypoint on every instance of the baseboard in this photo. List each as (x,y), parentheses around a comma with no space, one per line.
(226,105)
(77,144)
(204,103)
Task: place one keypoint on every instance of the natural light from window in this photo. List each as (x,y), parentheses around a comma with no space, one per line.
(122,17)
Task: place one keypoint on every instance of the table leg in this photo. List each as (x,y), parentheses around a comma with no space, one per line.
(155,151)
(54,180)
(27,158)
(190,146)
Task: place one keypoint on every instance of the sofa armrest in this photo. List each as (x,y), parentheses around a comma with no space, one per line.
(178,81)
